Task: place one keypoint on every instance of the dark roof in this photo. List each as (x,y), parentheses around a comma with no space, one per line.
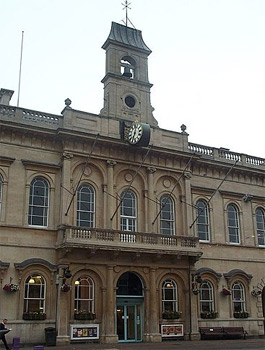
(126,36)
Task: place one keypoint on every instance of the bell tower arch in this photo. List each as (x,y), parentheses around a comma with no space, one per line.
(126,84)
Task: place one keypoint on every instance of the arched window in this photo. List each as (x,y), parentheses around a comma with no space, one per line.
(238,298)
(167,218)
(203,225)
(85,206)
(260,222)
(128,211)
(169,296)
(34,295)
(38,202)
(233,224)
(129,284)
(84,296)
(206,299)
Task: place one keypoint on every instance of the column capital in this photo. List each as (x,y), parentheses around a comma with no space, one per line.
(151,170)
(67,155)
(187,175)
(111,163)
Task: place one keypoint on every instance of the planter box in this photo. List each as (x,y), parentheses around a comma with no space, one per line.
(33,316)
(210,314)
(241,314)
(83,316)
(171,315)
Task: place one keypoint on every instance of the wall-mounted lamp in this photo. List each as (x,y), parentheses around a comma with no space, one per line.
(66,274)
(31,281)
(195,285)
(169,285)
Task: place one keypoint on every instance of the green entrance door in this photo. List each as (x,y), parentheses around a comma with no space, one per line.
(129,322)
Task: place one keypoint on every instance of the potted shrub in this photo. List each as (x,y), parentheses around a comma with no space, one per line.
(11,287)
(65,287)
(226,291)
(209,314)
(34,315)
(171,314)
(241,314)
(84,315)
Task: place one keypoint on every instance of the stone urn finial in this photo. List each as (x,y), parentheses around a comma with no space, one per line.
(183,128)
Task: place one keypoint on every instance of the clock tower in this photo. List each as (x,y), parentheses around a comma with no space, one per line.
(126,84)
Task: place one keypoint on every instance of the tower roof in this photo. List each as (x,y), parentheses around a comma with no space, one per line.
(126,36)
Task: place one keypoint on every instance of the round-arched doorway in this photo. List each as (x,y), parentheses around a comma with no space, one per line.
(129,308)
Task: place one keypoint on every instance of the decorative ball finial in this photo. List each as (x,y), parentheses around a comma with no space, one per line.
(67,102)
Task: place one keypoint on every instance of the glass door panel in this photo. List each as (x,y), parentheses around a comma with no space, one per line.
(130,322)
(120,322)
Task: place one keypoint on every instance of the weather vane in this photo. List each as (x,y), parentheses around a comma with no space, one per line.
(126,7)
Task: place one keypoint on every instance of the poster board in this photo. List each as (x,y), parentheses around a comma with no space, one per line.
(84,331)
(172,330)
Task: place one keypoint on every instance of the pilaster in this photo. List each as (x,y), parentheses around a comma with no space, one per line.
(110,192)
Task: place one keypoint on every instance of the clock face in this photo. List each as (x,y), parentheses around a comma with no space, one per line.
(135,133)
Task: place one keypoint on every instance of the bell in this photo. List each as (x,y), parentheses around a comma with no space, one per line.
(127,73)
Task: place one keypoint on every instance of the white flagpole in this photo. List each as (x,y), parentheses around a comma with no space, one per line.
(20,65)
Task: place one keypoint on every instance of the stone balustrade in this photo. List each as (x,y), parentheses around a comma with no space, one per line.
(27,116)
(74,236)
(224,154)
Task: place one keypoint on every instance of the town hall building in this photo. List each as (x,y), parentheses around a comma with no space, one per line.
(115,230)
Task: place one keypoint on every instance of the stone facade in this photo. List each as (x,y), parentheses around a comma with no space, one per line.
(60,172)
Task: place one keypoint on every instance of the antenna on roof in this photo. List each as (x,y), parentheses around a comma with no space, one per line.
(20,66)
(126,7)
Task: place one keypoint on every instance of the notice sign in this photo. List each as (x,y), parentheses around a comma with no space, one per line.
(84,331)
(172,330)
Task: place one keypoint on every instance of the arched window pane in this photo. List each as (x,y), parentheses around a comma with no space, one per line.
(128,211)
(202,214)
(84,295)
(260,222)
(238,297)
(85,206)
(169,296)
(167,219)
(34,294)
(233,224)
(129,284)
(206,297)
(38,202)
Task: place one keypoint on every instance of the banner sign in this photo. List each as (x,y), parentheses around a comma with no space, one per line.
(84,331)
(172,330)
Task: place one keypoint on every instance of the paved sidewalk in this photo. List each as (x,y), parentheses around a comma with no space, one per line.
(240,344)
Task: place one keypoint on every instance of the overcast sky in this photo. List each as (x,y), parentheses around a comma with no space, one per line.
(207,63)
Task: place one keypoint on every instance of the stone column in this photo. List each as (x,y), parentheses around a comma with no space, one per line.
(110,336)
(62,313)
(110,193)
(151,206)
(155,336)
(66,189)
